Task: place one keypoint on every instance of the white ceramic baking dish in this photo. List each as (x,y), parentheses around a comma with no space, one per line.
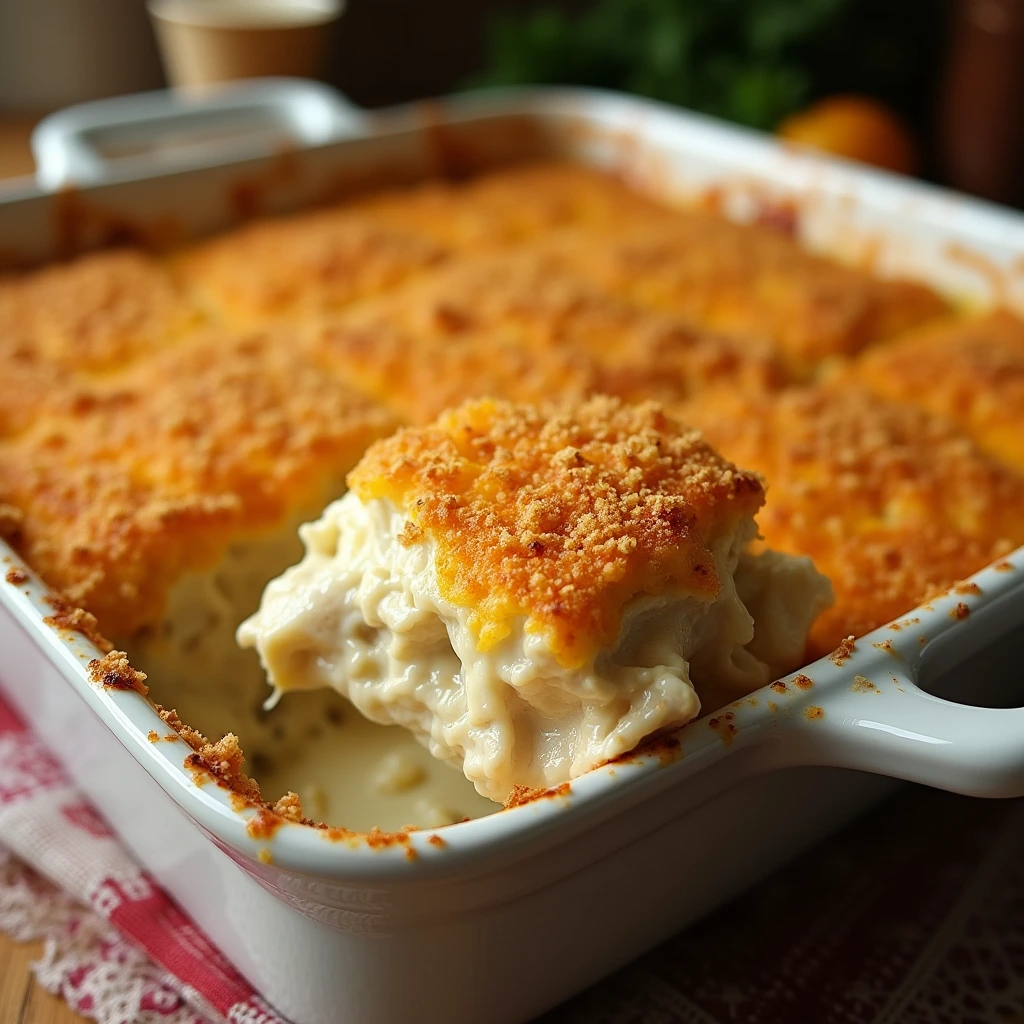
(505,916)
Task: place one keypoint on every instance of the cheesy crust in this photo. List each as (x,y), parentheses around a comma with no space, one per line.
(153,471)
(70,322)
(562,519)
(134,407)
(891,503)
(513,324)
(968,370)
(751,282)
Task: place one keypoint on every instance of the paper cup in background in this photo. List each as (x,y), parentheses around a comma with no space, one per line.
(204,42)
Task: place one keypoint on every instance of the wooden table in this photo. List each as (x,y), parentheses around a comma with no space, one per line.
(22,1001)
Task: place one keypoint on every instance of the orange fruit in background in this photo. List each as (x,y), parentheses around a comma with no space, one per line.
(855,127)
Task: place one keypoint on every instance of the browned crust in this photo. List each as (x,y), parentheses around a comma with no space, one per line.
(562,517)
(968,370)
(68,616)
(515,324)
(301,265)
(69,322)
(124,381)
(323,261)
(724,725)
(752,282)
(223,760)
(524,794)
(891,503)
(964,589)
(152,474)
(844,650)
(16,576)
(113,672)
(11,520)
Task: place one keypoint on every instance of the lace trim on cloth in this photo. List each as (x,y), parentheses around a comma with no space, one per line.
(117,948)
(85,961)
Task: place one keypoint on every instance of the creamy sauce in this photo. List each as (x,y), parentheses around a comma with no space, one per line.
(347,770)
(362,614)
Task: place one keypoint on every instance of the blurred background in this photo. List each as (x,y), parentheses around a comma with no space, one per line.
(930,87)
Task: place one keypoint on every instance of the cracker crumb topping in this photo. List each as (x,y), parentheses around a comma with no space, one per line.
(114,671)
(561,517)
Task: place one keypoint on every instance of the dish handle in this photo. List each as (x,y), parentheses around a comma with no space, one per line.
(893,727)
(123,137)
(869,711)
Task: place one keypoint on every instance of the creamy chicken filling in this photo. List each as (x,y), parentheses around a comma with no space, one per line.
(363,615)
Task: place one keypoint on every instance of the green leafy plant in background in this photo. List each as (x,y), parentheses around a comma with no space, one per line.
(750,61)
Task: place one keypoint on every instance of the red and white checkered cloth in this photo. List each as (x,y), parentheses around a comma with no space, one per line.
(117,949)
(915,915)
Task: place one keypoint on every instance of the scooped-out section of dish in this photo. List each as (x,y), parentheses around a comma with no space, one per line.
(346,769)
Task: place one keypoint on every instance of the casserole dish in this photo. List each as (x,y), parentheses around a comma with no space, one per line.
(330,924)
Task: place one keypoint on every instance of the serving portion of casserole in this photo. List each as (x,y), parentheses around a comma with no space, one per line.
(167,420)
(533,595)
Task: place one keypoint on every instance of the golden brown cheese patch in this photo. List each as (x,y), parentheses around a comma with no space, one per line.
(152,473)
(750,281)
(301,265)
(29,383)
(327,259)
(98,311)
(515,204)
(561,518)
(970,371)
(92,315)
(890,502)
(512,325)
(418,376)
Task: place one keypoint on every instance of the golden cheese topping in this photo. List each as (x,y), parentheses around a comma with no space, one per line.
(301,265)
(131,409)
(890,503)
(29,383)
(67,321)
(153,472)
(327,259)
(750,281)
(969,371)
(417,376)
(562,518)
(97,312)
(512,325)
(516,204)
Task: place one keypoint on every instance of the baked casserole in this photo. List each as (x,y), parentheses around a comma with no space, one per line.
(168,420)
